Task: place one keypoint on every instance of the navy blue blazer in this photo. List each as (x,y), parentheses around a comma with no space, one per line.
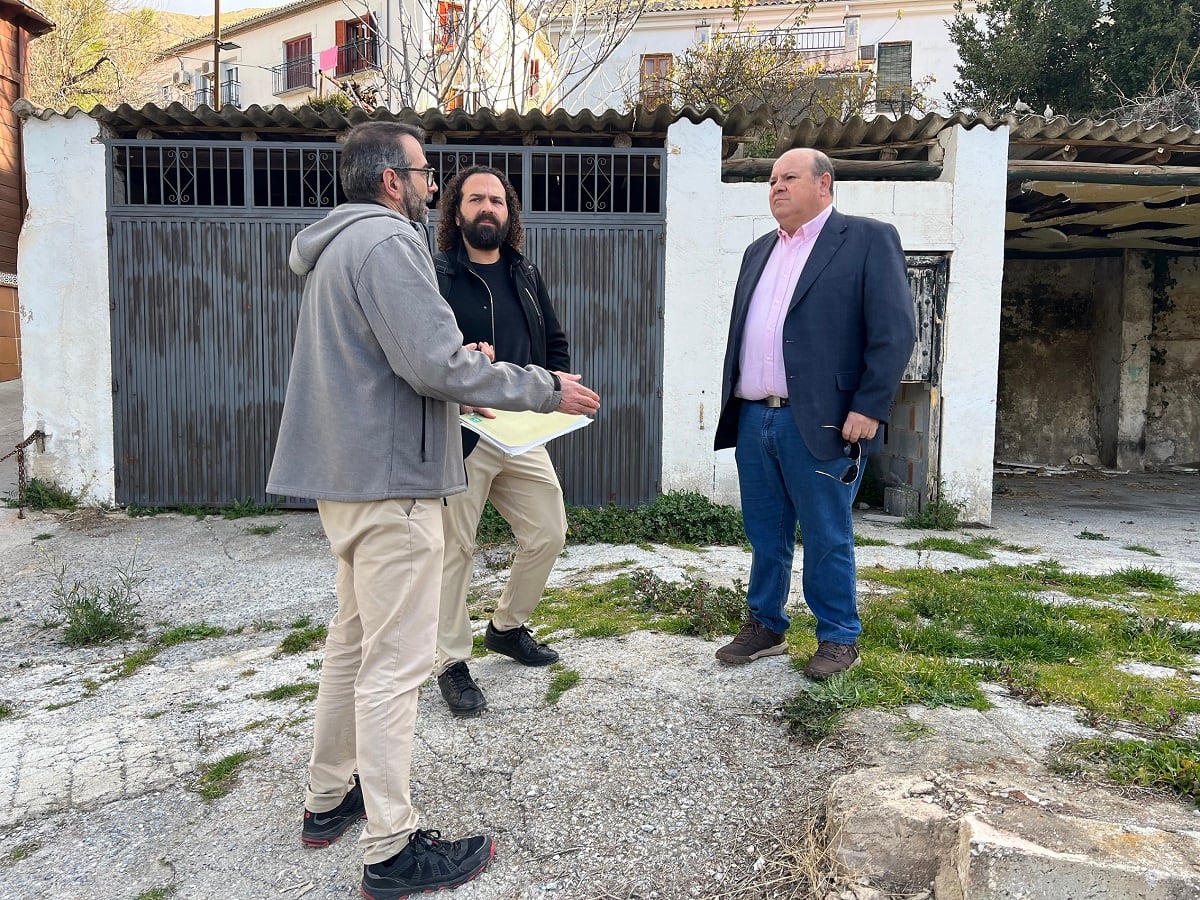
(847,335)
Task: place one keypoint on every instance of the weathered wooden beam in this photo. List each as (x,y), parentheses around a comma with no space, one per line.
(1102,173)
(845,169)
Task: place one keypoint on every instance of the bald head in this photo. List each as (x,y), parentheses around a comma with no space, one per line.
(801,187)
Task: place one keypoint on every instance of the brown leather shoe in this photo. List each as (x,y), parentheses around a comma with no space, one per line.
(753,642)
(831,659)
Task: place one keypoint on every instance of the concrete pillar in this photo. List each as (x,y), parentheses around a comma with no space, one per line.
(696,308)
(1124,317)
(976,163)
(66,348)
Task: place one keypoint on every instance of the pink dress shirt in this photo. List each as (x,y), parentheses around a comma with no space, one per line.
(761,361)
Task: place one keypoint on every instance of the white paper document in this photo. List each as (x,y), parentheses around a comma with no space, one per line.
(516,432)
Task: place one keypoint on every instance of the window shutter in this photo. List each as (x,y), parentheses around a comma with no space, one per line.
(339,32)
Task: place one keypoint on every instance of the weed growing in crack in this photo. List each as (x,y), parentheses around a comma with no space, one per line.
(91,611)
(302,690)
(564,679)
(1171,765)
(23,850)
(705,609)
(218,779)
(309,637)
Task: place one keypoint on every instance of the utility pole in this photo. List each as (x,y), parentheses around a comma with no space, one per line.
(216,55)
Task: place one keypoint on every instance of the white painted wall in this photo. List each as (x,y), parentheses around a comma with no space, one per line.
(65,308)
(65,347)
(976,167)
(923,22)
(701,268)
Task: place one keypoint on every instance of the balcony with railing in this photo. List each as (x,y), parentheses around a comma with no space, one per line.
(231,95)
(800,40)
(293,75)
(357,55)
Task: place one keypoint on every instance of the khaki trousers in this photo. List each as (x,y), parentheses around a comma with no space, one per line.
(378,651)
(525,491)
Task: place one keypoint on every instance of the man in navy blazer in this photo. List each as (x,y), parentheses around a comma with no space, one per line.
(821,331)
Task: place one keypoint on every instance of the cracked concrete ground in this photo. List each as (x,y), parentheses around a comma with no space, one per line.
(661,774)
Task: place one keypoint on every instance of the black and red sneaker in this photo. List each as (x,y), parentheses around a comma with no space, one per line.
(322,829)
(427,864)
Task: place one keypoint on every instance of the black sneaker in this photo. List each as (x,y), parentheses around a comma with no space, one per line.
(460,691)
(427,864)
(520,645)
(322,829)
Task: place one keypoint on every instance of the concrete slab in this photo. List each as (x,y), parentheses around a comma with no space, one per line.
(10,433)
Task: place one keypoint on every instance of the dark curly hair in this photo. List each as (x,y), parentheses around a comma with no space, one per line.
(449,235)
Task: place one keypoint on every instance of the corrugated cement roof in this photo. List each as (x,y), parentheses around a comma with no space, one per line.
(1031,137)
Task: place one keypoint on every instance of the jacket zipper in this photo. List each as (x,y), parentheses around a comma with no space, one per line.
(424,419)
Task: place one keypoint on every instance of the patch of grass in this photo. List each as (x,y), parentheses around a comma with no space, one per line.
(179,634)
(912,730)
(263,530)
(134,661)
(861,540)
(304,639)
(182,634)
(24,849)
(6,709)
(303,690)
(1145,579)
(607,609)
(218,779)
(564,679)
(43,495)
(139,512)
(43,537)
(92,611)
(976,549)
(302,622)
(1171,765)
(90,687)
(241,509)
(883,681)
(1086,535)
(200,513)
(50,707)
(158,893)
(699,606)
(1138,548)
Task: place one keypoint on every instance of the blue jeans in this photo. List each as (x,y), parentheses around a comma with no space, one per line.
(782,486)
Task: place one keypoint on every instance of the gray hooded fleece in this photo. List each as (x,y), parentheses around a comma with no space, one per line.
(378,369)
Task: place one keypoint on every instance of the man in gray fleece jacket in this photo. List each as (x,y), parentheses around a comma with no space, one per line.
(370,431)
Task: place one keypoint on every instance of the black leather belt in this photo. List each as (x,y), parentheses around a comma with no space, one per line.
(774,402)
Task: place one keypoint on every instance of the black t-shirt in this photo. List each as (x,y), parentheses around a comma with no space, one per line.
(502,322)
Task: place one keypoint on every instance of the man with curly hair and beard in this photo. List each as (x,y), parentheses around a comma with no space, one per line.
(499,299)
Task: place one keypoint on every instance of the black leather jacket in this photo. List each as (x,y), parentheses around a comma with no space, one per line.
(460,286)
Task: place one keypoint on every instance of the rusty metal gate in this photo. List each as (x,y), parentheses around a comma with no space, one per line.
(204,307)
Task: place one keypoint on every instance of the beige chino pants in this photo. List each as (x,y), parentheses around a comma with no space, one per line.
(525,491)
(378,651)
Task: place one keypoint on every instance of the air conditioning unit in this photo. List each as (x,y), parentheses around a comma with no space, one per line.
(866,53)
(206,69)
(182,77)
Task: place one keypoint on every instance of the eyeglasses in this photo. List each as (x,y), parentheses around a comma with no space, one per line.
(853,451)
(430,172)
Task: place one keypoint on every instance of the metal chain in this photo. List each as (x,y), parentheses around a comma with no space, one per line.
(19,450)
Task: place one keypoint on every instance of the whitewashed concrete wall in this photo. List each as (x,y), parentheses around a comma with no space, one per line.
(65,307)
(702,261)
(66,353)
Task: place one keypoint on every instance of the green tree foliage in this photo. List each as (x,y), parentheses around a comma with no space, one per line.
(98,53)
(1076,56)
